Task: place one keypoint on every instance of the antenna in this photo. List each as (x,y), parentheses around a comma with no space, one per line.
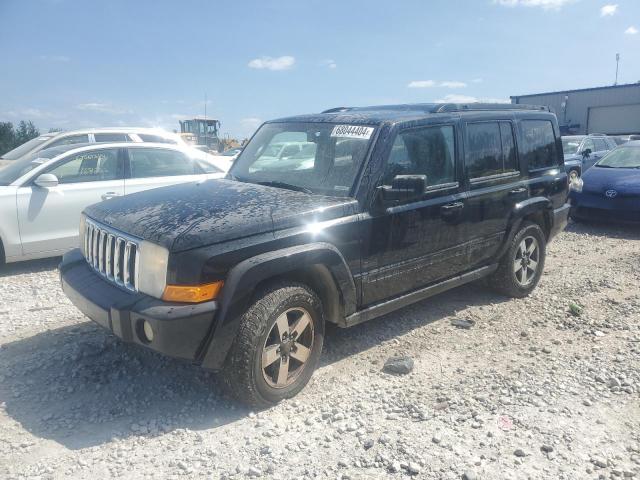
(617,64)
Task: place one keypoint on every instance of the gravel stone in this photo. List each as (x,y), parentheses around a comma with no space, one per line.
(399,365)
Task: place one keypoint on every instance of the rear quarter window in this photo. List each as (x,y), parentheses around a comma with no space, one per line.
(539,144)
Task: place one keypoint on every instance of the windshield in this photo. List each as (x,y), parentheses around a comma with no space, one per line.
(621,157)
(10,171)
(320,157)
(570,145)
(25,148)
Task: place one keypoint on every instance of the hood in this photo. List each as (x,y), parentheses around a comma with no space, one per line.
(626,181)
(191,215)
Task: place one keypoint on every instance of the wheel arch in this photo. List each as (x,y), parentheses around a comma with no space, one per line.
(538,210)
(319,265)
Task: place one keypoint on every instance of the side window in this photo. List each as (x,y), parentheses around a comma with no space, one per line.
(588,143)
(110,137)
(601,144)
(70,140)
(156,162)
(491,149)
(94,166)
(146,137)
(426,151)
(539,144)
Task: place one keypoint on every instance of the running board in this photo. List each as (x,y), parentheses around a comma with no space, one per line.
(389,306)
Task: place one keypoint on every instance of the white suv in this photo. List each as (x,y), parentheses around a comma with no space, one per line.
(93,135)
(43,194)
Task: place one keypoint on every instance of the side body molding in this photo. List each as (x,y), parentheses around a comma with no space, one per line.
(242,280)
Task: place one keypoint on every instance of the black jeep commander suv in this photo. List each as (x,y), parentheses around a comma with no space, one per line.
(335,217)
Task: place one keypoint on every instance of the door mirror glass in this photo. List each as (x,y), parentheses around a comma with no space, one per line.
(46,180)
(404,187)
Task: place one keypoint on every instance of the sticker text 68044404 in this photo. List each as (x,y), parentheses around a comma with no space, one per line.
(352,131)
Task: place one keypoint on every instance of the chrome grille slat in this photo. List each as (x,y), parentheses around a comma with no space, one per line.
(112,254)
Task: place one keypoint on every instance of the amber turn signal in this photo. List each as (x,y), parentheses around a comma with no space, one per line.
(192,293)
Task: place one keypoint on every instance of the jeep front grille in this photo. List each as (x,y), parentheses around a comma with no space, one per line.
(112,254)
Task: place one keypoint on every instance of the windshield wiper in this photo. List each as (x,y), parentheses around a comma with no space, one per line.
(288,186)
(604,166)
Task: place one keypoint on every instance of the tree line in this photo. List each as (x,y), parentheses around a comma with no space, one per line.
(11,137)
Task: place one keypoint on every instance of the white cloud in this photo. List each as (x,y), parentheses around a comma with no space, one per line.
(329,63)
(631,31)
(453,84)
(545,4)
(421,84)
(608,10)
(433,84)
(456,98)
(272,63)
(103,108)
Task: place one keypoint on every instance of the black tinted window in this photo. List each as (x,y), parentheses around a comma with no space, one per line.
(111,137)
(73,139)
(487,152)
(145,137)
(156,162)
(539,144)
(426,151)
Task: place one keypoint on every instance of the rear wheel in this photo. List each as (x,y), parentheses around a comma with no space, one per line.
(278,346)
(521,266)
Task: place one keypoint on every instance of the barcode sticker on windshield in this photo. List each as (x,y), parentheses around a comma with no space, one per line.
(352,131)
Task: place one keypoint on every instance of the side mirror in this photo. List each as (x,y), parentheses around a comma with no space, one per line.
(46,180)
(404,187)
(586,152)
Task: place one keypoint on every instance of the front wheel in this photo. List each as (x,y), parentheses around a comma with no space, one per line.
(278,345)
(521,266)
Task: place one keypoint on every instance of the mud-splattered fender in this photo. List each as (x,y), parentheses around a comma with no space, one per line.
(242,280)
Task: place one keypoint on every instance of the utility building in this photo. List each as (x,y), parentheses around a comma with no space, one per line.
(613,110)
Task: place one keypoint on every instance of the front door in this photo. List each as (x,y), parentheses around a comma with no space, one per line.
(417,242)
(49,217)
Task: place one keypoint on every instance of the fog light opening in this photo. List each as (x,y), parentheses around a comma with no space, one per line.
(145,331)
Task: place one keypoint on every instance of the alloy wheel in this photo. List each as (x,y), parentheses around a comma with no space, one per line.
(525,264)
(287,347)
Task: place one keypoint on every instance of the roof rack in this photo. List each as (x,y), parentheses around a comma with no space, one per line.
(443,107)
(462,107)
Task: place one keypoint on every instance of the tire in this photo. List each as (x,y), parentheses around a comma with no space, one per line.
(248,373)
(511,282)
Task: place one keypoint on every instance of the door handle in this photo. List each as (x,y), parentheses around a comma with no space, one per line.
(109,195)
(452,207)
(518,191)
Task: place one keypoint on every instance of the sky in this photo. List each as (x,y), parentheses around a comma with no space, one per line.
(71,64)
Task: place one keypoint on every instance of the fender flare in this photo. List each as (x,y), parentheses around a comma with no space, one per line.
(242,280)
(520,211)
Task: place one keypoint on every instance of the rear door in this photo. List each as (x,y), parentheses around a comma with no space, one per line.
(49,217)
(152,167)
(495,184)
(419,241)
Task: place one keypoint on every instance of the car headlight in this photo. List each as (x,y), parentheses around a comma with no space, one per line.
(152,269)
(576,185)
(82,231)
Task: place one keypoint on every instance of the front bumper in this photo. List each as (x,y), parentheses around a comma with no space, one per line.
(179,330)
(560,219)
(595,206)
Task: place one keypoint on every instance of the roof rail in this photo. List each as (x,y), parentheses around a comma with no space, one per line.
(337,110)
(462,107)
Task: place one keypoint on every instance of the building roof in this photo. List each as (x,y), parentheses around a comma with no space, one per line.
(608,87)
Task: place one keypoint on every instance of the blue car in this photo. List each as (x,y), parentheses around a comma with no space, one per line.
(611,189)
(582,151)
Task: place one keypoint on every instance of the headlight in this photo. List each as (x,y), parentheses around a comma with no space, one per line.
(576,185)
(82,231)
(152,271)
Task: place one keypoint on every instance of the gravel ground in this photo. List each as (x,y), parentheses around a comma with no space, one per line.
(540,388)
